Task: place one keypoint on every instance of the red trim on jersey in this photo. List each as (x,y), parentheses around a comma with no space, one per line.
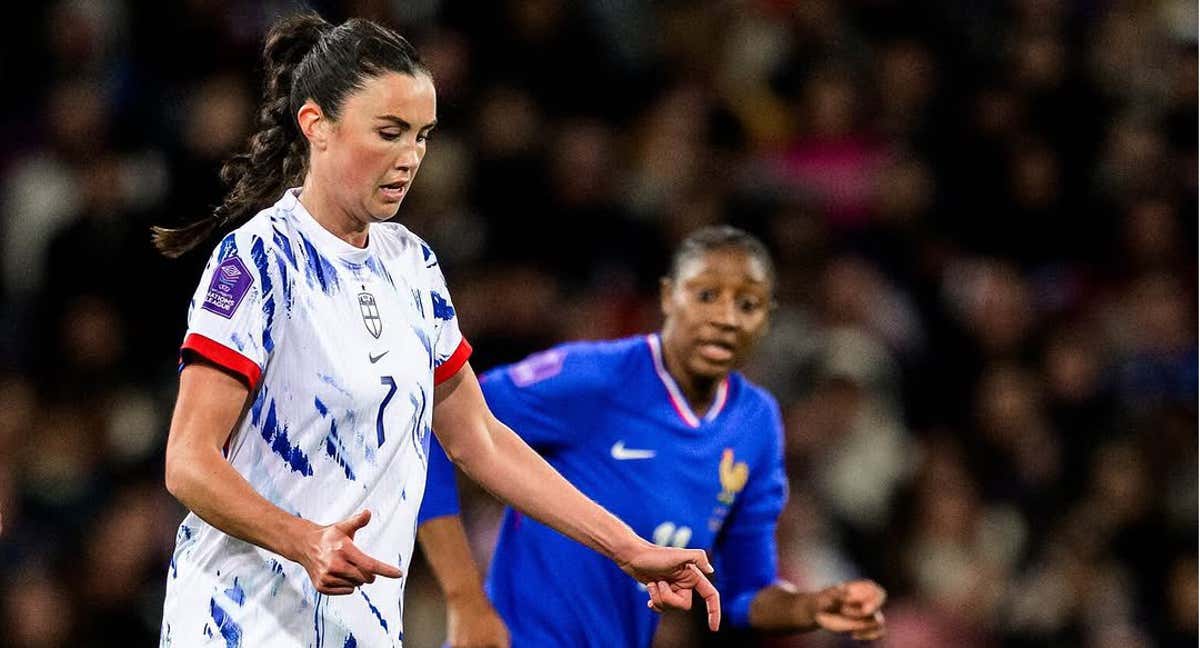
(222,356)
(452,364)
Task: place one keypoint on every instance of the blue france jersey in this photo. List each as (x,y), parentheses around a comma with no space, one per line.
(609,417)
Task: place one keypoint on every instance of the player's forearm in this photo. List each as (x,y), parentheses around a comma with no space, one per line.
(202,480)
(780,607)
(448,553)
(513,472)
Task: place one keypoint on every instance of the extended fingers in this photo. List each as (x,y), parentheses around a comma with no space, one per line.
(370,566)
(712,600)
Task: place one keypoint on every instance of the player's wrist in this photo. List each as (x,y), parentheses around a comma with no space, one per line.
(298,539)
(624,549)
(805,606)
(466,595)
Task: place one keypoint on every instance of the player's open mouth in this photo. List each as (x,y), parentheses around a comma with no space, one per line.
(716,351)
(394,191)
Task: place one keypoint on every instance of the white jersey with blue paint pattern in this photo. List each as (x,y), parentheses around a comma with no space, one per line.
(341,348)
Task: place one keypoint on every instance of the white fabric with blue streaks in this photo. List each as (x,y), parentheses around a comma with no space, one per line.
(347,341)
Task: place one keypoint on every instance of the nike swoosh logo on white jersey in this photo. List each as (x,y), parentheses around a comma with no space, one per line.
(375,358)
(621,453)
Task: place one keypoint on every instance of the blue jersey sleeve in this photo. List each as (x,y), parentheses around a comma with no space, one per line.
(543,397)
(746,551)
(441,488)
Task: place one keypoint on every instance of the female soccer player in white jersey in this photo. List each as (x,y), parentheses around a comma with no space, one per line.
(662,431)
(322,346)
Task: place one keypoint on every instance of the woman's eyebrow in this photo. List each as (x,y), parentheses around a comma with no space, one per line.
(402,123)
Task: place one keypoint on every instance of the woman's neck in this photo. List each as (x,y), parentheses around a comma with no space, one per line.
(700,391)
(334,219)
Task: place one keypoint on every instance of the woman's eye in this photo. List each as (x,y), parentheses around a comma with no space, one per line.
(749,305)
(707,296)
(389,135)
(424,137)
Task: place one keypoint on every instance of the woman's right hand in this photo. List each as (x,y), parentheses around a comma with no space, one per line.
(334,564)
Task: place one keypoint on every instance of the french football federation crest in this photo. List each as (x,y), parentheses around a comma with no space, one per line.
(370,314)
(733,477)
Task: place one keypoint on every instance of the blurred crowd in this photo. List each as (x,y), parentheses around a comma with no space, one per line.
(984,216)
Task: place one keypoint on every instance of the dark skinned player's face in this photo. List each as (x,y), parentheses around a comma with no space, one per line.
(715,311)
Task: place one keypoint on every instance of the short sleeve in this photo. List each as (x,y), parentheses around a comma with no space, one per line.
(746,548)
(451,350)
(231,319)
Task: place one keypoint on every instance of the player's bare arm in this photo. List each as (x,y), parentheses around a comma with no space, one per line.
(494,456)
(209,405)
(471,621)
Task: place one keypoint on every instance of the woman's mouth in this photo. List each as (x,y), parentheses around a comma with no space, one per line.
(394,192)
(715,351)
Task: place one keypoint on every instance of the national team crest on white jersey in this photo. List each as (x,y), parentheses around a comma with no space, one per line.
(272,307)
(370,314)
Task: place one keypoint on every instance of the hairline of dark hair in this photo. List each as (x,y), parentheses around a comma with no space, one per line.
(718,238)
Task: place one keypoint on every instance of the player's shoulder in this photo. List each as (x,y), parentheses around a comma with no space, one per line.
(755,398)
(606,351)
(586,365)
(396,240)
(266,231)
(606,360)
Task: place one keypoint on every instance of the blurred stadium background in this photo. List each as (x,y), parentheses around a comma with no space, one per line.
(984,215)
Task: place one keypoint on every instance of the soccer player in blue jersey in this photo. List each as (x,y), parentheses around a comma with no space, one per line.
(664,433)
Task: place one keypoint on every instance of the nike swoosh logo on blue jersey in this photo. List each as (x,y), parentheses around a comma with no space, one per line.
(375,358)
(621,453)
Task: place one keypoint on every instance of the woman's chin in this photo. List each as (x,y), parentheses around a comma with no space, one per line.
(384,211)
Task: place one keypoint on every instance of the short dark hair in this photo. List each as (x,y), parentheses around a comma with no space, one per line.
(720,237)
(304,58)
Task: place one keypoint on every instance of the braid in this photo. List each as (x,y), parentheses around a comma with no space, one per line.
(277,154)
(305,58)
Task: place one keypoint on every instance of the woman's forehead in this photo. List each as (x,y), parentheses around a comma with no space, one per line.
(726,263)
(408,96)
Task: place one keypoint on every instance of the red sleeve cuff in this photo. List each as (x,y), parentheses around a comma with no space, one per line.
(452,364)
(222,356)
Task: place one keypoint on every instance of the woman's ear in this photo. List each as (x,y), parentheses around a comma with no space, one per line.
(313,125)
(665,288)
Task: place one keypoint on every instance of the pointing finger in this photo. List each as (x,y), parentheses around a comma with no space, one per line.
(712,599)
(371,565)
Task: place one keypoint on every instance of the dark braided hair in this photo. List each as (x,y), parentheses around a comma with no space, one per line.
(720,237)
(304,58)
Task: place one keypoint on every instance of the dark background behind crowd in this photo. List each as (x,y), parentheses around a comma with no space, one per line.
(984,216)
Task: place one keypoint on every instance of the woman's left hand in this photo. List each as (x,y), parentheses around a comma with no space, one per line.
(671,575)
(854,608)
